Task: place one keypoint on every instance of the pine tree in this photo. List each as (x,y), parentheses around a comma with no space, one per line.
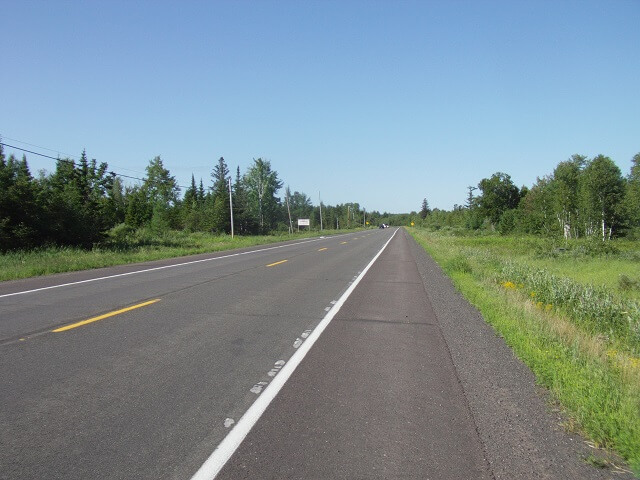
(115,202)
(220,176)
(160,185)
(139,209)
(190,207)
(220,191)
(201,194)
(242,220)
(632,195)
(20,213)
(425,210)
(162,192)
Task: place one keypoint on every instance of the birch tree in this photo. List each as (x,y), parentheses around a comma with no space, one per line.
(602,190)
(565,183)
(262,184)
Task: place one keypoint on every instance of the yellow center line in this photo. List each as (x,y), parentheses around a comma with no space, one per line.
(102,317)
(342,243)
(322,249)
(277,263)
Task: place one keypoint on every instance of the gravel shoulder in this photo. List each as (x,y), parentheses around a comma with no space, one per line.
(520,428)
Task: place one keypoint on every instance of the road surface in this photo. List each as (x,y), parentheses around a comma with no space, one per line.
(142,371)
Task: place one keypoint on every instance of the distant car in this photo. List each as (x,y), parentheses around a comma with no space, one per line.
(383,225)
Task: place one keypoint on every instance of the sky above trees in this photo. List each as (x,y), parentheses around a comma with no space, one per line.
(383,103)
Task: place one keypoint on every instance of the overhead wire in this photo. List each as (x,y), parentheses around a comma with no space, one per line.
(67,155)
(69,160)
(38,146)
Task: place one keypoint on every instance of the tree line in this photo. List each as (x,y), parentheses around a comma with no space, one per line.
(583,197)
(81,203)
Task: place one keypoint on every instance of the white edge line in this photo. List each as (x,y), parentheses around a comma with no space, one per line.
(223,452)
(166,266)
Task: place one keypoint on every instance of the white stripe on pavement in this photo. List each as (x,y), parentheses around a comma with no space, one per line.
(234,438)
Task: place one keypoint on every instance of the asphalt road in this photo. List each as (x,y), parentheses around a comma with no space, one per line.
(377,396)
(406,381)
(147,393)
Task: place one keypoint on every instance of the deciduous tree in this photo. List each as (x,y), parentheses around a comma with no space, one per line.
(262,184)
(564,190)
(499,194)
(602,190)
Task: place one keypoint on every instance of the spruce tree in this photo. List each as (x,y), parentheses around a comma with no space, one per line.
(425,210)
(220,191)
(632,195)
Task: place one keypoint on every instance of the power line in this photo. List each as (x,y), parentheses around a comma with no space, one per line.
(35,153)
(38,146)
(72,161)
(73,157)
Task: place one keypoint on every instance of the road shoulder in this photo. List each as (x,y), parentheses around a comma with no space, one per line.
(376,397)
(519,427)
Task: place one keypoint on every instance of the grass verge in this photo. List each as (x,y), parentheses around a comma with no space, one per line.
(590,367)
(132,247)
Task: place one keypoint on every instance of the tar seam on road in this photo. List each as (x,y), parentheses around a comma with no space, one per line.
(234,438)
(102,317)
(160,268)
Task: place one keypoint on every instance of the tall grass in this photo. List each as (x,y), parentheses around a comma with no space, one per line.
(581,340)
(595,308)
(125,245)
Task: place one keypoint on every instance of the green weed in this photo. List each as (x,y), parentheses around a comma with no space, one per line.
(626,283)
(126,245)
(579,338)
(593,307)
(459,264)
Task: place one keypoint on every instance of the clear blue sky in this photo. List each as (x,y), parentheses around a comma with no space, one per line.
(377,102)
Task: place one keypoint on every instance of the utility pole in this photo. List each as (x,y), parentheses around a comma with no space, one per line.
(364,218)
(320,210)
(348,222)
(289,212)
(231,206)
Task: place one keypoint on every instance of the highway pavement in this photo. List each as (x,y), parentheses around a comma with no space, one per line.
(377,396)
(150,392)
(349,356)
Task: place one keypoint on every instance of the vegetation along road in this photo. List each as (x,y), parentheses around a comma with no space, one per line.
(143,371)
